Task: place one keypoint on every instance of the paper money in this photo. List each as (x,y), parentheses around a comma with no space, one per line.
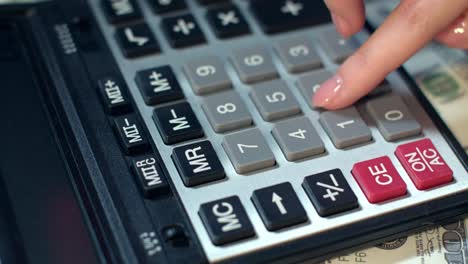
(445,244)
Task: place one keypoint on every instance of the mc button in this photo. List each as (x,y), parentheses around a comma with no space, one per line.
(379,180)
(226,220)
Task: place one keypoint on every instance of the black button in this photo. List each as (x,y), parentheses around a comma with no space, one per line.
(282,15)
(330,193)
(119,11)
(182,31)
(226,220)
(159,85)
(113,91)
(130,131)
(166,6)
(177,123)
(227,21)
(198,163)
(136,40)
(150,176)
(279,206)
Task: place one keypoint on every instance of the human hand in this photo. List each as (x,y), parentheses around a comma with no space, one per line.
(407,29)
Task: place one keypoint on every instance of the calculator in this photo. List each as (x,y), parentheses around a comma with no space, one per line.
(194,139)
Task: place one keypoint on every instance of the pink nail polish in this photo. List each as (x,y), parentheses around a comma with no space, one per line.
(328,91)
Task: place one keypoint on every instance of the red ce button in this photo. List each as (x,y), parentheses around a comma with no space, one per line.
(379,180)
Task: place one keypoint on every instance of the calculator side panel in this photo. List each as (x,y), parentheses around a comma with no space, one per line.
(70,55)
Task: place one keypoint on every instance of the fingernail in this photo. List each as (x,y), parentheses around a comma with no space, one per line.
(340,23)
(328,92)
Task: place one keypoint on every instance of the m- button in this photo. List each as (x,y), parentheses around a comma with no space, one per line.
(379,180)
(226,220)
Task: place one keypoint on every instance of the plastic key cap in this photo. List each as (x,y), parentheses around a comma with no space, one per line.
(279,206)
(113,91)
(136,40)
(177,123)
(227,21)
(121,11)
(182,31)
(198,163)
(379,179)
(278,15)
(393,118)
(150,176)
(130,132)
(207,74)
(330,192)
(424,164)
(214,215)
(159,85)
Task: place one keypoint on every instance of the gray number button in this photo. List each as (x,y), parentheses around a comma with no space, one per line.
(393,118)
(274,100)
(207,74)
(254,64)
(345,127)
(298,54)
(248,151)
(298,139)
(337,48)
(310,83)
(226,111)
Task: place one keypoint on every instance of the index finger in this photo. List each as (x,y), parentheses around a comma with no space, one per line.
(410,26)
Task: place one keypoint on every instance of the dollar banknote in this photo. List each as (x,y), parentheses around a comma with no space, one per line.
(445,244)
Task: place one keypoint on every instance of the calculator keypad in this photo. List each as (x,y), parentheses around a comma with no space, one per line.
(248,151)
(226,220)
(207,74)
(379,179)
(310,82)
(254,64)
(239,135)
(336,47)
(393,118)
(183,31)
(345,127)
(298,54)
(226,111)
(159,85)
(274,100)
(177,123)
(136,40)
(227,22)
(330,192)
(279,206)
(298,139)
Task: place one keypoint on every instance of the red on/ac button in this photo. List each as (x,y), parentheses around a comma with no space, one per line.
(379,180)
(424,164)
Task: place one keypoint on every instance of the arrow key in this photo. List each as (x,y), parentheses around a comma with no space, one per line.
(136,40)
(279,206)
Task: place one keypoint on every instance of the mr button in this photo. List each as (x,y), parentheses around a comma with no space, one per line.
(379,180)
(226,220)
(198,163)
(424,164)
